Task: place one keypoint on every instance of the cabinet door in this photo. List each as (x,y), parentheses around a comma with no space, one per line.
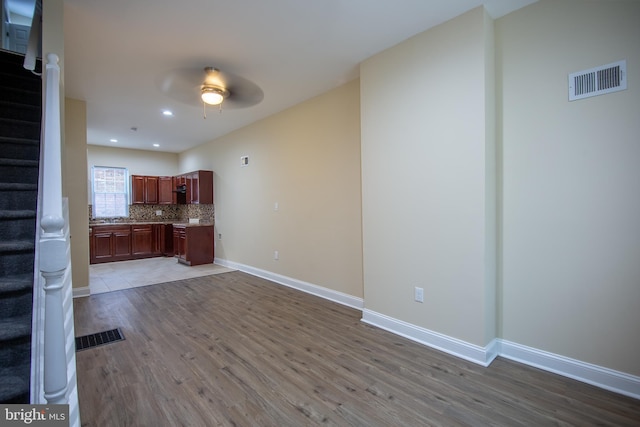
(151,190)
(166,240)
(199,245)
(179,246)
(122,243)
(205,187)
(182,243)
(137,189)
(189,182)
(101,246)
(195,188)
(141,239)
(181,198)
(166,185)
(176,242)
(156,242)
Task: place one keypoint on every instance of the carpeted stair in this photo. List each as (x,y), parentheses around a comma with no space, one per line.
(20,112)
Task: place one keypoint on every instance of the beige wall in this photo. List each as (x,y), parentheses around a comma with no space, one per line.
(428,196)
(571,276)
(306,159)
(139,162)
(75,188)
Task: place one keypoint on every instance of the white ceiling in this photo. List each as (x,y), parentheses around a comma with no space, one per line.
(116,50)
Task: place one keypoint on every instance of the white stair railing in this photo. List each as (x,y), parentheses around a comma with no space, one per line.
(53,352)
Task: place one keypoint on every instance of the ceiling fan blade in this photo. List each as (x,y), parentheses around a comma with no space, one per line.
(185,85)
(182,84)
(242,93)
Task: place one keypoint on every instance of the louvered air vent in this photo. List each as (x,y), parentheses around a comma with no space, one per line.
(598,81)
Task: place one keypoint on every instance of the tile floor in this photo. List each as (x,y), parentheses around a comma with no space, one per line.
(115,276)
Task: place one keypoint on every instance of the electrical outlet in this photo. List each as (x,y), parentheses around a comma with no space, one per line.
(158,213)
(418,294)
(219,236)
(275,255)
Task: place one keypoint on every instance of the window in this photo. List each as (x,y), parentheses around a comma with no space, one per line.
(110,192)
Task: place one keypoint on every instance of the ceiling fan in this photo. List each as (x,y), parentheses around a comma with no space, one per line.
(209,86)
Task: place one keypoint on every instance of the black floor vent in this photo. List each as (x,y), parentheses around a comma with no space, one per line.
(99,338)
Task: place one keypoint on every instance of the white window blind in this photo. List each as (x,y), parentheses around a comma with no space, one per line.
(110,187)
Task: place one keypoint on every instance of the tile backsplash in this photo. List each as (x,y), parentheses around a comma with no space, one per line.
(205,213)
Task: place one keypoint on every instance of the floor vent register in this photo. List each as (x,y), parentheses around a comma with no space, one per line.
(98,339)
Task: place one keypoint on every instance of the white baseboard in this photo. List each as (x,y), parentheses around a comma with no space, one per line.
(81,292)
(619,382)
(326,293)
(464,350)
(609,379)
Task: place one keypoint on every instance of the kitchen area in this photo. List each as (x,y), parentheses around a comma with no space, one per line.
(170,225)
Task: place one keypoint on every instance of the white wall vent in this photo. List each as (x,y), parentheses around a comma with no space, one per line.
(598,81)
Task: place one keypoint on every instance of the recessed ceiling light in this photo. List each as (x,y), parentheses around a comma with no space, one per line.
(113,140)
(156,145)
(167,112)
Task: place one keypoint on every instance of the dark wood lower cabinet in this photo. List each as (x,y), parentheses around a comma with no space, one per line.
(164,241)
(193,244)
(108,243)
(141,240)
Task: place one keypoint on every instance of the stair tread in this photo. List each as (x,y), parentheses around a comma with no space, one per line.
(12,386)
(15,327)
(35,108)
(16,282)
(17,214)
(18,140)
(18,162)
(16,186)
(16,245)
(20,121)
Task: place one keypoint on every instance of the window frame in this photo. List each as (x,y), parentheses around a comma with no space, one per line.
(126,194)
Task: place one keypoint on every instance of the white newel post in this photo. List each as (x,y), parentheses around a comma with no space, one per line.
(52,258)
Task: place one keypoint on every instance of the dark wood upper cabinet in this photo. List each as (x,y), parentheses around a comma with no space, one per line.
(199,187)
(166,193)
(189,188)
(144,189)
(151,190)
(137,189)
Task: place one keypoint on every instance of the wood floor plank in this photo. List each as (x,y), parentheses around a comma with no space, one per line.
(237,350)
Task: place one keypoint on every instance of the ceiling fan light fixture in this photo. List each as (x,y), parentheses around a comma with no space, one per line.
(213,95)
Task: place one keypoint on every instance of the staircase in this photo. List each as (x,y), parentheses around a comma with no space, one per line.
(20,118)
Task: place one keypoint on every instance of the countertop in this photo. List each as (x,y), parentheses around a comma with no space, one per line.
(176,222)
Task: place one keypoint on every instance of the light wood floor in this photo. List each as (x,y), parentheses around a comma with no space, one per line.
(236,350)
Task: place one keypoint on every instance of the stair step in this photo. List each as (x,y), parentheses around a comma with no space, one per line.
(13,388)
(16,214)
(19,162)
(12,328)
(19,128)
(20,78)
(19,141)
(20,111)
(16,246)
(20,148)
(16,186)
(21,97)
(16,283)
